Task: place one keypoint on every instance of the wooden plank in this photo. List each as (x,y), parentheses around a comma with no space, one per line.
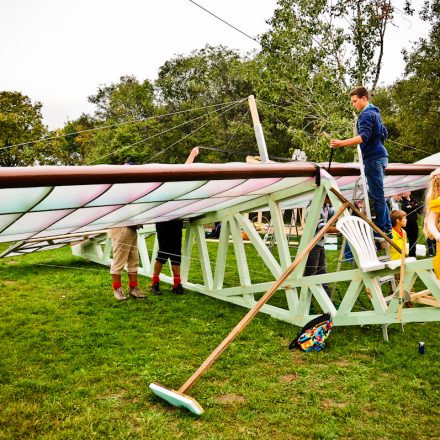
(350,297)
(420,294)
(143,254)
(260,246)
(431,282)
(187,252)
(222,252)
(323,299)
(240,256)
(428,301)
(402,278)
(280,234)
(205,262)
(377,298)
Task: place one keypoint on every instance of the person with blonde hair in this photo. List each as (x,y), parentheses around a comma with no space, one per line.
(432,207)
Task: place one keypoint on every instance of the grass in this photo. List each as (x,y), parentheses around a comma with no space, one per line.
(75,364)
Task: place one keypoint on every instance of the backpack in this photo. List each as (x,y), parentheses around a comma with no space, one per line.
(313,335)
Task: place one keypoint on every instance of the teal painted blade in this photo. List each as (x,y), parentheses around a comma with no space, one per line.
(176,399)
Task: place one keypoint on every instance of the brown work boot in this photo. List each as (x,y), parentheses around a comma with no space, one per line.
(136,293)
(119,294)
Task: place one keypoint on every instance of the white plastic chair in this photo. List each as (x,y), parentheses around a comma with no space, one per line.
(358,234)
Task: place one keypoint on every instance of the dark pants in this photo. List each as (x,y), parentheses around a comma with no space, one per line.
(412,232)
(316,264)
(169,236)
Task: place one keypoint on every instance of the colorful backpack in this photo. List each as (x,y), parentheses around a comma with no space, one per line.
(313,335)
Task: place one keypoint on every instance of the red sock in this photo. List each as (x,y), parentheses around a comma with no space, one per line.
(116,285)
(155,279)
(177,280)
(132,284)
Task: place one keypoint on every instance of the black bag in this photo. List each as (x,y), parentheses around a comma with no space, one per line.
(313,335)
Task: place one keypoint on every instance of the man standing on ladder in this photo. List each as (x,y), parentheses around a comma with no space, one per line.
(371,136)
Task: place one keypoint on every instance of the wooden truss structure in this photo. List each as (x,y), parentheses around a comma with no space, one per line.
(298,289)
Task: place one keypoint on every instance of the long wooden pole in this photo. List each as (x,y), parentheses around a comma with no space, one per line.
(263,300)
(402,276)
(261,142)
(364,217)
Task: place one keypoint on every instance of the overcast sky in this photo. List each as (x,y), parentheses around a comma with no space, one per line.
(58,52)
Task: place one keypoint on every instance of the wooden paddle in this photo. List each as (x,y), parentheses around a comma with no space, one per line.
(179,398)
(402,275)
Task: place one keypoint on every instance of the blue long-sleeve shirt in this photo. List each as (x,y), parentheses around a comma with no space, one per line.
(373,133)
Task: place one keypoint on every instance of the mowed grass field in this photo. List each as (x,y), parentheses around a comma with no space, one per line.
(75,364)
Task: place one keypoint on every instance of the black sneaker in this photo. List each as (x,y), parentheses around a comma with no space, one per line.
(156,289)
(178,289)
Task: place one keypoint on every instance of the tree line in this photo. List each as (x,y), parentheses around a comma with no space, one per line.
(313,53)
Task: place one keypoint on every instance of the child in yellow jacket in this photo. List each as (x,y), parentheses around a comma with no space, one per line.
(398,221)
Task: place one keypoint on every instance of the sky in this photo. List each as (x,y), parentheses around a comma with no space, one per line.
(59,52)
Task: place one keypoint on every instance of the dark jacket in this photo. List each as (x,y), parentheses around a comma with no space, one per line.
(412,208)
(373,133)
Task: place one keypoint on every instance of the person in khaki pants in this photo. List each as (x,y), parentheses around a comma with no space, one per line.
(125,252)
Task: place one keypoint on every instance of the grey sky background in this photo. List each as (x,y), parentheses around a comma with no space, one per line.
(58,52)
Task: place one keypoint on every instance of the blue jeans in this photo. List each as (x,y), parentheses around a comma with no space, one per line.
(374,173)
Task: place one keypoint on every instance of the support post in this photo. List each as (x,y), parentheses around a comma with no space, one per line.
(187,252)
(222,252)
(258,130)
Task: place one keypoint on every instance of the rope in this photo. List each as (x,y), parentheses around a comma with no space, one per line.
(429,153)
(409,146)
(197,129)
(105,127)
(165,131)
(224,21)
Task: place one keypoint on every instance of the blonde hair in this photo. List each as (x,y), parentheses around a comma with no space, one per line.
(432,192)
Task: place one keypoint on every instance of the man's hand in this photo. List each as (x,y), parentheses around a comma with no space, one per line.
(335,143)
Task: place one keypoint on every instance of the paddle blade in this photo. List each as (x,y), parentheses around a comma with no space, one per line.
(176,399)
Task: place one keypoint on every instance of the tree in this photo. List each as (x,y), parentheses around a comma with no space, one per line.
(313,51)
(365,23)
(300,72)
(122,118)
(203,81)
(78,136)
(416,97)
(127,100)
(20,125)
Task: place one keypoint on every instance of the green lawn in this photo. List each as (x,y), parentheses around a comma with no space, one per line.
(75,364)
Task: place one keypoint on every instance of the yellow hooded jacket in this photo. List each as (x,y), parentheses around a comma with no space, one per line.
(394,255)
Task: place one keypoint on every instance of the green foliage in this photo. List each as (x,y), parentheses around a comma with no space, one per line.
(20,122)
(24,140)
(79,138)
(124,101)
(211,75)
(299,73)
(416,97)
